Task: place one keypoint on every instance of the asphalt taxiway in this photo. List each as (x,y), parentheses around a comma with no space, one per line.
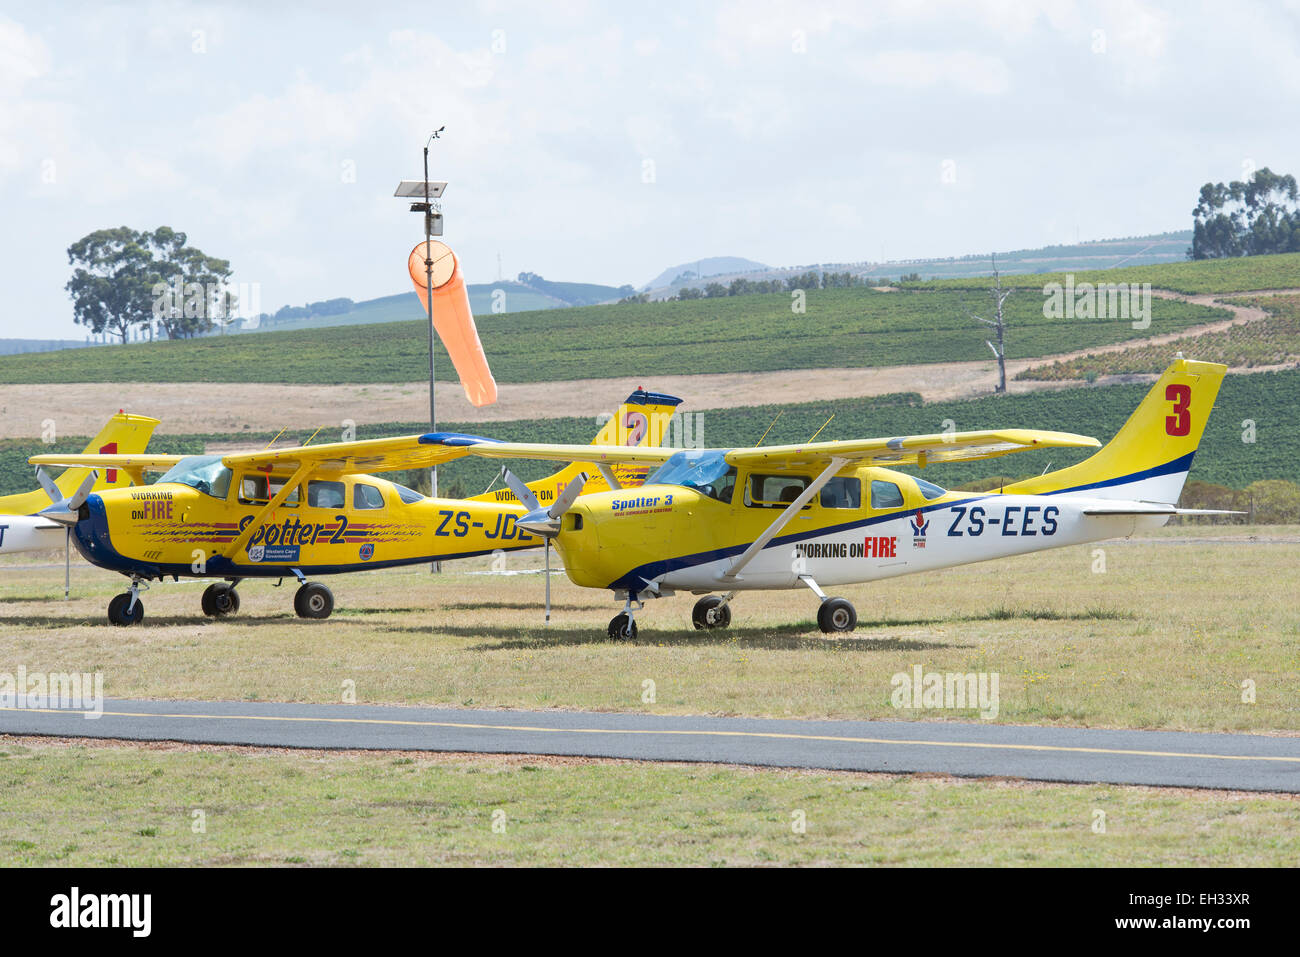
(1162,758)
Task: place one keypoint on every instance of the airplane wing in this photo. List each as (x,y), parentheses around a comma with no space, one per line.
(919,450)
(133,465)
(371,455)
(149,463)
(596,454)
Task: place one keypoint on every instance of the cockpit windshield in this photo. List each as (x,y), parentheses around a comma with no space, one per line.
(705,470)
(202,472)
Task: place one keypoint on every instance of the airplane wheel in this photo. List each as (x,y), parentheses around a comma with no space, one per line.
(117,613)
(709,612)
(220,600)
(836,614)
(622,627)
(313,600)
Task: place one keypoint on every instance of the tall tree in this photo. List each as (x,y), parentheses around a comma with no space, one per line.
(112,284)
(124,279)
(1247,218)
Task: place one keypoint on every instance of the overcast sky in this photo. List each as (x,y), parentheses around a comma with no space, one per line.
(605,142)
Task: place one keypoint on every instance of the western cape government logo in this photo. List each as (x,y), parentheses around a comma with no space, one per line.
(367,551)
(919,526)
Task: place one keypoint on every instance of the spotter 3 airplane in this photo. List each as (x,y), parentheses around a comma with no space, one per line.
(307,511)
(29,521)
(834,513)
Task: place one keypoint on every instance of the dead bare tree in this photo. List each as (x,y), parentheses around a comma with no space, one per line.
(999,296)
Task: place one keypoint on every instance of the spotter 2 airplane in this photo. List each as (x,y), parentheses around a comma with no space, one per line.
(833,513)
(312,510)
(29,520)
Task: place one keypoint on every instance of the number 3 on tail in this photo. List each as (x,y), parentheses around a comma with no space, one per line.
(1180,423)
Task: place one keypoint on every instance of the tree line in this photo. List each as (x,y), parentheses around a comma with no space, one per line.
(812,279)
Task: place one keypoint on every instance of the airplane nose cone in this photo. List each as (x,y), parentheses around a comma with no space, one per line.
(539,522)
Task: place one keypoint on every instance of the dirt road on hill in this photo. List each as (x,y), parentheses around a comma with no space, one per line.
(187,408)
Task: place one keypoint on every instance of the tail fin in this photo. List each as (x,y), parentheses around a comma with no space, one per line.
(124,433)
(642,419)
(1149,458)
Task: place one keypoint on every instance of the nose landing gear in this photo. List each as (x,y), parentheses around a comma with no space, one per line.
(127,609)
(623,627)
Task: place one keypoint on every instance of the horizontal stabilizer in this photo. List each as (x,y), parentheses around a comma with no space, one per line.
(1153,508)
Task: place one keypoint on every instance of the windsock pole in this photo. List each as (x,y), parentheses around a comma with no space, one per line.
(428,279)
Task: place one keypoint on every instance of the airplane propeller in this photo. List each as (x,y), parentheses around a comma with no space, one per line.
(544,522)
(64,510)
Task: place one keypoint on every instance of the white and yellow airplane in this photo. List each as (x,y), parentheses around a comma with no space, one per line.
(833,513)
(29,520)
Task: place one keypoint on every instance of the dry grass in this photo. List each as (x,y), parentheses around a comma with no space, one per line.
(1163,638)
(116,804)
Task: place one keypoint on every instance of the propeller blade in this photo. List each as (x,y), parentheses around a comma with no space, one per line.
(83,491)
(522,491)
(564,501)
(47,483)
(547,546)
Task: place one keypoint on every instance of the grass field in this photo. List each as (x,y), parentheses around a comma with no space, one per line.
(854,328)
(122,805)
(1268,342)
(1247,273)
(1162,638)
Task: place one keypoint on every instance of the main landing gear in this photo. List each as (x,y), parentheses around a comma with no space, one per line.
(313,600)
(127,608)
(221,599)
(835,614)
(714,611)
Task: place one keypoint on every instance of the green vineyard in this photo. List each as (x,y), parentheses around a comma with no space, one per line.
(854,328)
(1245,274)
(1266,342)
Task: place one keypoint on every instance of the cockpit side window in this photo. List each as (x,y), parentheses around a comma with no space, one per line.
(885,495)
(842,492)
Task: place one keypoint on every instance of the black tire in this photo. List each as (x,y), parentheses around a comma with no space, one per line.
(708,615)
(117,613)
(208,605)
(226,600)
(313,600)
(836,615)
(622,628)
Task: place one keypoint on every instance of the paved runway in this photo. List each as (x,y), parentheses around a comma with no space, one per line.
(1233,761)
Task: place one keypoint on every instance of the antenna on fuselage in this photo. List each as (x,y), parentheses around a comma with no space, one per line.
(770,427)
(277,438)
(823,428)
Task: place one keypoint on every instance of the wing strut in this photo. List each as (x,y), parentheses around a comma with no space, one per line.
(783,519)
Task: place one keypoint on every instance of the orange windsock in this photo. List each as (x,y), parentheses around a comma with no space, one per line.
(453,320)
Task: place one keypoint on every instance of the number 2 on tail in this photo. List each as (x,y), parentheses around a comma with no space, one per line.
(1180,423)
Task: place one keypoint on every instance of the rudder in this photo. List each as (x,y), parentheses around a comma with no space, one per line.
(1149,458)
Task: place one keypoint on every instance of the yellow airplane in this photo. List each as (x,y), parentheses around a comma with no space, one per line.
(28,520)
(834,513)
(312,510)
